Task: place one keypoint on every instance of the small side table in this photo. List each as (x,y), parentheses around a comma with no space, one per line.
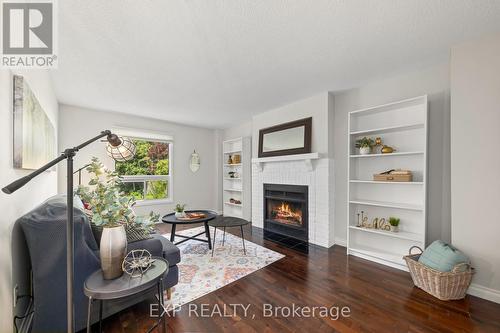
(97,288)
(228,222)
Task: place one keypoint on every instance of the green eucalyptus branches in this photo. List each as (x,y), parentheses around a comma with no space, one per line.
(109,206)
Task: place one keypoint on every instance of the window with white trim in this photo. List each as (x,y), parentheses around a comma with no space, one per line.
(148,176)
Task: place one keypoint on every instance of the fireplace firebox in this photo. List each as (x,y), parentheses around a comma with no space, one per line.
(285,210)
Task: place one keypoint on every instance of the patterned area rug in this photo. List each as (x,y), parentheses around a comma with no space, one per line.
(200,273)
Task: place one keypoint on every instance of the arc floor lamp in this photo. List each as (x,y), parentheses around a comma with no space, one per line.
(119,149)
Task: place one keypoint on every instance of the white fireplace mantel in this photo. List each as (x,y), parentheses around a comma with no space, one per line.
(307,158)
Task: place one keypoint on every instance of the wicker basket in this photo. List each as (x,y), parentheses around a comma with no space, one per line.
(443,285)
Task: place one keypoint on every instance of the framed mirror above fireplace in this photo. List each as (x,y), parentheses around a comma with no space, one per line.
(286,139)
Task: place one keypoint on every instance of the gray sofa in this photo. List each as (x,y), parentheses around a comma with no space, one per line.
(45,231)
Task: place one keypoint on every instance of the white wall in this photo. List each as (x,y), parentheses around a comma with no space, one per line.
(198,190)
(242,130)
(12,257)
(433,81)
(315,106)
(475,136)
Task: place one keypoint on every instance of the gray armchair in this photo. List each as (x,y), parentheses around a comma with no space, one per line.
(45,231)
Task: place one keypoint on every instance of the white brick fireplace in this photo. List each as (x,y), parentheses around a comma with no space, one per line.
(313,173)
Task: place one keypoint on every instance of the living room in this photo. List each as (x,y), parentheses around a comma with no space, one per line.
(275,166)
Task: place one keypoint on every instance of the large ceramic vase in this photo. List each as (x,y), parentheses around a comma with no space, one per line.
(112,251)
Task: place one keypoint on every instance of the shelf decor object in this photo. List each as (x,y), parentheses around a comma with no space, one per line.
(394,176)
(394,222)
(372,192)
(387,150)
(365,145)
(236,182)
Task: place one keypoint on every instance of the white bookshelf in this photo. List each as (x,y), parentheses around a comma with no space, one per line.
(237,188)
(404,126)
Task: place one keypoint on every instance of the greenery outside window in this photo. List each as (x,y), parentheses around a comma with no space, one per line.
(147,177)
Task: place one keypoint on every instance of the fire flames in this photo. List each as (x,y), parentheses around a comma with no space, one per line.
(285,214)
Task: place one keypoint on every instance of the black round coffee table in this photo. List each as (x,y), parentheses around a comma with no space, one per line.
(97,288)
(174,221)
(228,222)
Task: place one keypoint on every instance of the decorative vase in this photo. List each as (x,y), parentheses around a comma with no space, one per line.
(180,214)
(394,228)
(112,251)
(365,150)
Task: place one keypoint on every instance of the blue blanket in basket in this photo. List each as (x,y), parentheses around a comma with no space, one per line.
(442,257)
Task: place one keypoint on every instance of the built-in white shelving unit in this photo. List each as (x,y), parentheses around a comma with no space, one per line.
(402,125)
(238,188)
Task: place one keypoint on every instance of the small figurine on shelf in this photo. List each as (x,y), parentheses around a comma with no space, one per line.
(230,160)
(383,225)
(378,142)
(394,222)
(387,150)
(379,223)
(364,220)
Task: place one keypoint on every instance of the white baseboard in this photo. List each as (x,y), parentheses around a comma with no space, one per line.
(341,242)
(484,292)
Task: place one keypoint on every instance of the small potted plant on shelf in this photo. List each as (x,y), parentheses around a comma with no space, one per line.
(365,145)
(394,222)
(179,210)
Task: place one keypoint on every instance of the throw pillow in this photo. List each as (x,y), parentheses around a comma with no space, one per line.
(133,234)
(442,256)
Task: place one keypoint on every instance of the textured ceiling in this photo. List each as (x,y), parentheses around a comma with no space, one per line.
(215,63)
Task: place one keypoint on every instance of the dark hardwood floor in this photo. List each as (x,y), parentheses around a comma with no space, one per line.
(380,299)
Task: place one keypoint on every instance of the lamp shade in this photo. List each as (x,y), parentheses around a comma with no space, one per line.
(124,151)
